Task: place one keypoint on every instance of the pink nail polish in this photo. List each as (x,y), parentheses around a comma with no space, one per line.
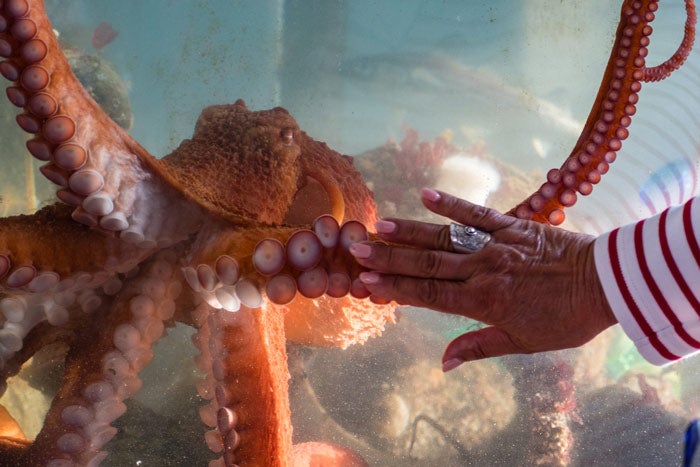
(451,364)
(369,277)
(430,195)
(360,250)
(385,227)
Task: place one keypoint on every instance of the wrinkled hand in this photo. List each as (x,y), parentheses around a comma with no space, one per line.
(535,285)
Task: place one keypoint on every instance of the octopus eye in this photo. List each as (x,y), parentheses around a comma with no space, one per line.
(287,135)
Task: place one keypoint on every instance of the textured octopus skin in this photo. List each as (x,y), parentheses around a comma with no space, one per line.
(137,243)
(602,136)
(109,299)
(615,105)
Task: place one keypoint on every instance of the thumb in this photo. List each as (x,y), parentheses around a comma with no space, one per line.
(476,345)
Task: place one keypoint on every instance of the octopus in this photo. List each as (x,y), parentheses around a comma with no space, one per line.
(242,232)
(607,124)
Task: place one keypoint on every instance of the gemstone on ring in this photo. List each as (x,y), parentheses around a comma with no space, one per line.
(467,239)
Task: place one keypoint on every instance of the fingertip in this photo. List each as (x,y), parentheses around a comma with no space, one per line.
(430,195)
(470,346)
(360,250)
(373,283)
(451,363)
(369,278)
(483,343)
(454,354)
(385,226)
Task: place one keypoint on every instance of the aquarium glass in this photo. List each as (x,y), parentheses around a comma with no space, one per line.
(497,93)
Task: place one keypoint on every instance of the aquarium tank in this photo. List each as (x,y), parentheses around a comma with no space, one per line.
(477,98)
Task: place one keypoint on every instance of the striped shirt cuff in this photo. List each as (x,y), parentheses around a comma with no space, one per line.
(650,273)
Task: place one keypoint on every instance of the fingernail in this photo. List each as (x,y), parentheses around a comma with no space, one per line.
(360,250)
(430,195)
(383,226)
(369,277)
(451,364)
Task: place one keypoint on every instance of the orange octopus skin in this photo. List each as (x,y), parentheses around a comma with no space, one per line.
(105,271)
(324,455)
(105,274)
(615,105)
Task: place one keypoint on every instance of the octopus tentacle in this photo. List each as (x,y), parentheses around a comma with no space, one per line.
(311,261)
(615,104)
(101,171)
(47,279)
(222,273)
(112,185)
(24,315)
(102,368)
(38,251)
(242,353)
(659,72)
(42,335)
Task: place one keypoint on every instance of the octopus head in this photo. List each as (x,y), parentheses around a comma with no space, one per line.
(268,134)
(237,157)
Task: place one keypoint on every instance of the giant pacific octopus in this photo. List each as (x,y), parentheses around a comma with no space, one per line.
(241,232)
(607,124)
(251,215)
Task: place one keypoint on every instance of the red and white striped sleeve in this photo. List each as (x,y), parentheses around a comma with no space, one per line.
(650,273)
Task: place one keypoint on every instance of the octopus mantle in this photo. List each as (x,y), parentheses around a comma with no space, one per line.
(241,232)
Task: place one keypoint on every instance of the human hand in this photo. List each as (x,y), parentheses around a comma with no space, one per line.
(535,285)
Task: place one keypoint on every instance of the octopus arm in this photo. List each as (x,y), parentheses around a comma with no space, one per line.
(51,269)
(43,335)
(244,359)
(611,115)
(102,366)
(39,251)
(100,170)
(348,196)
(314,284)
(14,445)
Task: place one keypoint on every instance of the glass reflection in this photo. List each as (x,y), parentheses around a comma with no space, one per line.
(477,98)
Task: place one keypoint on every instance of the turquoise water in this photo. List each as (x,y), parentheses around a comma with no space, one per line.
(512,81)
(426,65)
(517,78)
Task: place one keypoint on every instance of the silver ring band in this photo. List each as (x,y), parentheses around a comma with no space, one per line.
(467,239)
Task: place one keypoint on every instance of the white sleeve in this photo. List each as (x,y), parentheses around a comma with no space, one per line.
(650,273)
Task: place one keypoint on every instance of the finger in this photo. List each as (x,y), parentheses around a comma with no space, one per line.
(441,295)
(414,262)
(464,212)
(476,345)
(414,233)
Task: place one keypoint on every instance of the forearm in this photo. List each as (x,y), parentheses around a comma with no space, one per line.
(650,272)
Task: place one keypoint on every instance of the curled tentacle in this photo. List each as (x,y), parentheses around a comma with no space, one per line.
(312,261)
(611,115)
(100,170)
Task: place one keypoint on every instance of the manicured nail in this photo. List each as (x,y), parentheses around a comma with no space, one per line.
(369,277)
(430,195)
(451,364)
(383,226)
(360,250)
